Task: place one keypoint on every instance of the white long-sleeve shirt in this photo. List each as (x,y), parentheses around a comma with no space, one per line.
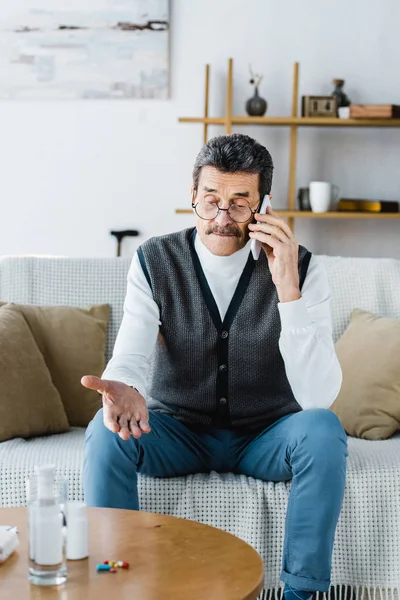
(305,342)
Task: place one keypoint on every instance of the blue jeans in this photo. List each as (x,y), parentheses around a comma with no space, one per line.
(309,447)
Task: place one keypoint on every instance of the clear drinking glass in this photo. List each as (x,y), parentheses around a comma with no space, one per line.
(46,499)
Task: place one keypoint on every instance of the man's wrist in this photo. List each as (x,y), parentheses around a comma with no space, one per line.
(288,294)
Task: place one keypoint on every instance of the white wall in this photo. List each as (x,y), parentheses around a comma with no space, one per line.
(73,171)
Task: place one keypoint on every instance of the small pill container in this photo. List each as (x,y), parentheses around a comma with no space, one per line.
(77,531)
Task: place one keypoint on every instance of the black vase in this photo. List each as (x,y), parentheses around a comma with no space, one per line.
(256,106)
(342,98)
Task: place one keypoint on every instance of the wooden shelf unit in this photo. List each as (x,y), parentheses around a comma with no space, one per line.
(294,122)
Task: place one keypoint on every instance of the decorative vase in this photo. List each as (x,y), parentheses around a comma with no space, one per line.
(256,106)
(342,98)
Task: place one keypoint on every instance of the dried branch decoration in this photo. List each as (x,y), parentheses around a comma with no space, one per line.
(255,79)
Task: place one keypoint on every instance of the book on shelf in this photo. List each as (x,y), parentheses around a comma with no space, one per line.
(378,206)
(374,111)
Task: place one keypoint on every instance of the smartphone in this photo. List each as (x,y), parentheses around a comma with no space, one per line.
(255,245)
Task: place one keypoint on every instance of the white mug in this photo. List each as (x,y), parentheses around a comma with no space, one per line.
(321,196)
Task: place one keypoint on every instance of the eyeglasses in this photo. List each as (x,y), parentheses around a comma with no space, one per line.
(210,210)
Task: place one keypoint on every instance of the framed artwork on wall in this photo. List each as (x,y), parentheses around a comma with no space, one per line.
(84,49)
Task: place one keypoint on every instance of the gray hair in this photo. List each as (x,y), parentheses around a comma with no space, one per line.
(236,153)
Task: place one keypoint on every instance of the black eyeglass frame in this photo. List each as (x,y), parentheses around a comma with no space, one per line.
(253,212)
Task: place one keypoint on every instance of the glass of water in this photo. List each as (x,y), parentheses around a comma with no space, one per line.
(46,499)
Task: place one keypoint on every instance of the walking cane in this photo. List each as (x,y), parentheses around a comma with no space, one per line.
(120,236)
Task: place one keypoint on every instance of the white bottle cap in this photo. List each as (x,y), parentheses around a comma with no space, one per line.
(76,510)
(45,480)
(45,471)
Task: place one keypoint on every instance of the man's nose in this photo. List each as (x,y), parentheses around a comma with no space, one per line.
(223,218)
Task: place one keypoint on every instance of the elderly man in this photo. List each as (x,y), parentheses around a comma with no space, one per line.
(244,363)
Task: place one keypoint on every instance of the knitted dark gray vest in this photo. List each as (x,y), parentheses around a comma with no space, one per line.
(230,373)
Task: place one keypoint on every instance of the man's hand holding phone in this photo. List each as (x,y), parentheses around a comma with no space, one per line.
(124,409)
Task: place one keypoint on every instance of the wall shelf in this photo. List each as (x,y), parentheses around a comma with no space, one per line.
(298,121)
(287,214)
(294,122)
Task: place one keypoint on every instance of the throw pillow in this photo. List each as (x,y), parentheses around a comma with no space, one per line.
(30,404)
(72,341)
(368,403)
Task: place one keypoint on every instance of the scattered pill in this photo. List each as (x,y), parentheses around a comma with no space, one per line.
(103,567)
(120,563)
(113,570)
(105,562)
(125,565)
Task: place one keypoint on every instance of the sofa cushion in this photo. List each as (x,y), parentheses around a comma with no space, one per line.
(30,404)
(72,341)
(368,403)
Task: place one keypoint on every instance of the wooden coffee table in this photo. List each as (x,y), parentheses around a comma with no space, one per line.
(170,559)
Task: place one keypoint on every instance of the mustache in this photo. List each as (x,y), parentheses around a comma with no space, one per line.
(223,230)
